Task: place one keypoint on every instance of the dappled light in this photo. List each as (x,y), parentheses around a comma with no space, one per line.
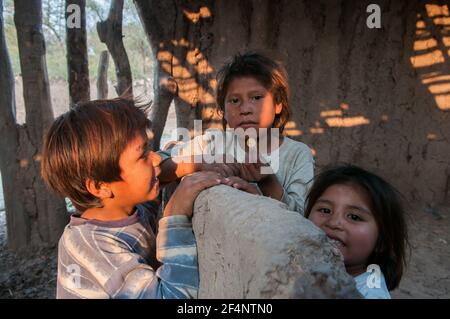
(189,90)
(346,121)
(317,129)
(23,163)
(331,113)
(432,51)
(194,17)
(432,136)
(291,129)
(335,118)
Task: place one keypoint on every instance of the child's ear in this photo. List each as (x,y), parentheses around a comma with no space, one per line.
(278,108)
(99,190)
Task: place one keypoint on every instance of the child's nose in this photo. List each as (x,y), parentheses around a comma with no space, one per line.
(246,107)
(335,221)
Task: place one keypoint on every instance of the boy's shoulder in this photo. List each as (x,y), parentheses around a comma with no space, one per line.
(83,237)
(80,228)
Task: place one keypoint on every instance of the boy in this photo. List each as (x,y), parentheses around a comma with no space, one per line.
(98,156)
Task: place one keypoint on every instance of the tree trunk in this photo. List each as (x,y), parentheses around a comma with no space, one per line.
(110,33)
(179,35)
(144,64)
(164,88)
(102,76)
(35,217)
(9,143)
(77,57)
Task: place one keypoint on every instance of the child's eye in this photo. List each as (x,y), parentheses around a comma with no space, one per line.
(324,210)
(233,100)
(257,97)
(145,155)
(146,151)
(354,217)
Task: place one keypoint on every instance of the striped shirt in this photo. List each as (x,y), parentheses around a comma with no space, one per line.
(116,259)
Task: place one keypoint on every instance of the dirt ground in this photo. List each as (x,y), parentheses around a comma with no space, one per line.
(26,276)
(428,272)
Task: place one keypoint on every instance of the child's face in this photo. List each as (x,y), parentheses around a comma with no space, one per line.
(139,172)
(343,212)
(249,104)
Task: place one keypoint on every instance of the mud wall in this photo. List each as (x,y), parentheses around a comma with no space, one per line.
(378,98)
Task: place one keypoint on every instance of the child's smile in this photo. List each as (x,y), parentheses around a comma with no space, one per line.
(139,172)
(344,213)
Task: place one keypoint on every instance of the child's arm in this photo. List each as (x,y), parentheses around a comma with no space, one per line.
(295,187)
(176,278)
(171,169)
(174,168)
(176,245)
(184,158)
(176,249)
(268,184)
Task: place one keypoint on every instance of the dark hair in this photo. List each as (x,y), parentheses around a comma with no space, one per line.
(270,73)
(86,143)
(387,208)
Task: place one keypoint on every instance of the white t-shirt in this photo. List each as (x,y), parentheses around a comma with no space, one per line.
(292,162)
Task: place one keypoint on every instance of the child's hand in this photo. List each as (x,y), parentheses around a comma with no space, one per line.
(225,170)
(239,183)
(252,172)
(182,200)
(267,183)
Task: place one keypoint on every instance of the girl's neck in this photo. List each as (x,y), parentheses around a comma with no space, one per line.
(265,140)
(355,270)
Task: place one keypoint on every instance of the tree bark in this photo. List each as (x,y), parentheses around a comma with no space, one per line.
(102,76)
(110,33)
(35,217)
(9,142)
(180,53)
(77,56)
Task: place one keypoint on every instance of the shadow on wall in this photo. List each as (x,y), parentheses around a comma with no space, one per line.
(432,52)
(183,59)
(194,92)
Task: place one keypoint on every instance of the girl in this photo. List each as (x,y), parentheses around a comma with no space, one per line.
(253,94)
(363,216)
